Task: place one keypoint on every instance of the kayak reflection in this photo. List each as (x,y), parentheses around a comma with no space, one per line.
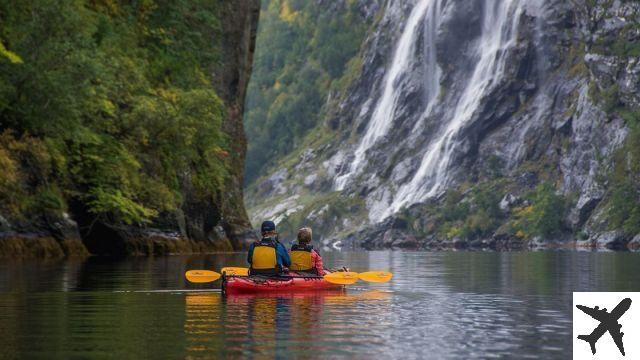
(270,324)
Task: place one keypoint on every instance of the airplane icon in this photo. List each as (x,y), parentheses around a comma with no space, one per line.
(608,322)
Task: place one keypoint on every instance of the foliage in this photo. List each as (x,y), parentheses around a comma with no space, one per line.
(624,209)
(608,98)
(28,168)
(110,101)
(304,50)
(475,215)
(542,216)
(9,55)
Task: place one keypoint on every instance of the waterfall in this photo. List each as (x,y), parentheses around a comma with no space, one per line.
(383,114)
(432,71)
(499,33)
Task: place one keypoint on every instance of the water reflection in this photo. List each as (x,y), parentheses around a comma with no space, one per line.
(274,324)
(439,305)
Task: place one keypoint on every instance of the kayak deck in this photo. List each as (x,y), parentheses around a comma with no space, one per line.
(284,283)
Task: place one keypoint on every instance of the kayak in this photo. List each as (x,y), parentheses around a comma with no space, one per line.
(284,283)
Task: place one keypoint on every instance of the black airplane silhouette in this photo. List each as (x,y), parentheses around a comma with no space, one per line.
(608,322)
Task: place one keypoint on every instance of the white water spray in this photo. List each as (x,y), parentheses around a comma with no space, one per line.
(499,33)
(383,113)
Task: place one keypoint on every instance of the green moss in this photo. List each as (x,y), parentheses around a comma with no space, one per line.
(630,116)
(624,48)
(576,60)
(624,192)
(608,99)
(620,46)
(26,247)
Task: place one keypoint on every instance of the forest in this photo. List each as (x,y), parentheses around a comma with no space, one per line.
(109,105)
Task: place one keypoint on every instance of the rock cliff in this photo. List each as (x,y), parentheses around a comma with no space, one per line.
(491,123)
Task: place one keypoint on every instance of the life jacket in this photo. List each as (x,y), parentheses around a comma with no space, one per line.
(301,258)
(264,259)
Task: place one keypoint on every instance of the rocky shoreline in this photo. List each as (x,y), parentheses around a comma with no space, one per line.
(61,238)
(398,239)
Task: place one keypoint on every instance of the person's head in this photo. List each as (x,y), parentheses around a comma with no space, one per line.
(304,235)
(268,229)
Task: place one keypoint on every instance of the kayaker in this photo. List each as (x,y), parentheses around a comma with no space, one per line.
(304,258)
(268,256)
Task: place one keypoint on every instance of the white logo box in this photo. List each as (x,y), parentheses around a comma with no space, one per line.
(584,324)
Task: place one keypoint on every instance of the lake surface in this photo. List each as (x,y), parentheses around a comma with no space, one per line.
(439,305)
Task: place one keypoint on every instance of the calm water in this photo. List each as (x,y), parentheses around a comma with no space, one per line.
(439,305)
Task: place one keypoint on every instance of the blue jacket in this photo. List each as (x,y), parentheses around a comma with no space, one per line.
(282,256)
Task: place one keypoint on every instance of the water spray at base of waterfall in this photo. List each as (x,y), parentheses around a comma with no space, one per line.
(499,33)
(487,57)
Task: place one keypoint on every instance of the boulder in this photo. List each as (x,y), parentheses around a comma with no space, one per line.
(4,224)
(583,209)
(508,201)
(613,240)
(634,244)
(459,243)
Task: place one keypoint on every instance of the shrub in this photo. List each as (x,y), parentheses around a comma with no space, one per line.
(543,217)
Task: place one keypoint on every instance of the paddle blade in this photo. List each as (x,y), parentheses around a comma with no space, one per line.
(342,277)
(201,276)
(235,271)
(375,276)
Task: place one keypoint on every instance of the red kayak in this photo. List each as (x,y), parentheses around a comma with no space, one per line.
(285,283)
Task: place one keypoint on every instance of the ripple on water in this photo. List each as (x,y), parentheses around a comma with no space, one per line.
(438,305)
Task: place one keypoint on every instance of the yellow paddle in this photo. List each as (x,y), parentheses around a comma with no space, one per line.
(338,277)
(201,276)
(375,276)
(342,277)
(235,271)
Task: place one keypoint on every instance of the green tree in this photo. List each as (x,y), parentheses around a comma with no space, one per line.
(302,53)
(118,97)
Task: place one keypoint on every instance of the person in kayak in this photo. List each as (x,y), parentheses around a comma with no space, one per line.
(304,258)
(268,256)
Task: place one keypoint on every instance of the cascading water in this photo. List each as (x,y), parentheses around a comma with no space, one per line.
(487,55)
(499,33)
(383,114)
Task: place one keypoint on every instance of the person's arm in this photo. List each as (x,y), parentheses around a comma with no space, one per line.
(250,253)
(317,262)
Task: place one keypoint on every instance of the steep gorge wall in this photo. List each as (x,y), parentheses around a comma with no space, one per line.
(204,219)
(488,123)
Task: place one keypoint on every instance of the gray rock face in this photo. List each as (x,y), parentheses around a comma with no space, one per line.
(481,89)
(274,183)
(4,224)
(634,244)
(614,240)
(508,201)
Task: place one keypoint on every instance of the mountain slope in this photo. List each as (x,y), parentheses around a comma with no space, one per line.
(499,123)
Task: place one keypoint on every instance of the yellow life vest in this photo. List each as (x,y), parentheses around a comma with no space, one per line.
(301,258)
(264,256)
